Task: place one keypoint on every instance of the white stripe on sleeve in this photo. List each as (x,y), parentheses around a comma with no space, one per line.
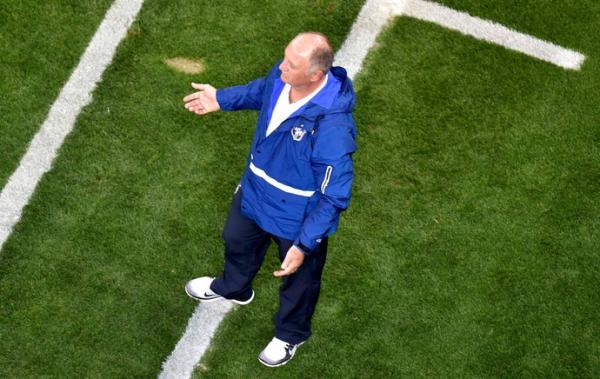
(326,179)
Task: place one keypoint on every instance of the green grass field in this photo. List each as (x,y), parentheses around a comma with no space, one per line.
(40,44)
(470,248)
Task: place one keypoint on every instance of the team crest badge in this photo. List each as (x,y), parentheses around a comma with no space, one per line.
(298,132)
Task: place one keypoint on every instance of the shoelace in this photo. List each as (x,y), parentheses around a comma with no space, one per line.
(289,347)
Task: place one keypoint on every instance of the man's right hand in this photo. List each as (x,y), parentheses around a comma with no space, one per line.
(204,101)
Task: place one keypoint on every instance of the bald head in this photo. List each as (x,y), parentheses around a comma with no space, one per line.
(316,48)
(307,58)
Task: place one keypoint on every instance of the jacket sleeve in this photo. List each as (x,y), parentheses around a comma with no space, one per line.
(247,96)
(333,168)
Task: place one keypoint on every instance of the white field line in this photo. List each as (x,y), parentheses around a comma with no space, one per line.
(199,332)
(493,32)
(374,15)
(75,95)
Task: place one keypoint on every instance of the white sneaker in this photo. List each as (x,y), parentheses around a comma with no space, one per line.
(199,289)
(277,353)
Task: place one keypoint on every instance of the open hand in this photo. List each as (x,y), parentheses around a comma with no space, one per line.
(293,260)
(204,101)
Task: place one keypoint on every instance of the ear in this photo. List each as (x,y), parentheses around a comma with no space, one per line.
(316,76)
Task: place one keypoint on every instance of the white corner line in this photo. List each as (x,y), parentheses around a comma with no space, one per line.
(375,14)
(371,19)
(198,334)
(494,33)
(76,94)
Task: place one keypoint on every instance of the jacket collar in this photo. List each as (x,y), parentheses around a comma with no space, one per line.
(327,95)
(323,99)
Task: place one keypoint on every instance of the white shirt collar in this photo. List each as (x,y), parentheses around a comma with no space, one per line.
(307,98)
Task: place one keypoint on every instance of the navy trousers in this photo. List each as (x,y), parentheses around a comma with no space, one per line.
(245,247)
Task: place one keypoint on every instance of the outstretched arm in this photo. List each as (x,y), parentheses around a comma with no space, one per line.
(246,96)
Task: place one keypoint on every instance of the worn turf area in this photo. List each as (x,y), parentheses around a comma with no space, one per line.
(470,248)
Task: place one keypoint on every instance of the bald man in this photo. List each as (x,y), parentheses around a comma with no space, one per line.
(296,183)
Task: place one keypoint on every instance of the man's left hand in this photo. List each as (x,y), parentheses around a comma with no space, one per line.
(293,260)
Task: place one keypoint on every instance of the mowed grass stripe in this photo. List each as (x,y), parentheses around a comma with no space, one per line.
(469,249)
(92,279)
(40,44)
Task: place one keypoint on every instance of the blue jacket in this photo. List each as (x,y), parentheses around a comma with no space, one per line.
(298,179)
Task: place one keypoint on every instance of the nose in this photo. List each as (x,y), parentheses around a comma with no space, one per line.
(283,66)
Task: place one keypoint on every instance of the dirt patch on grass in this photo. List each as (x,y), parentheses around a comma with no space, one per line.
(185,65)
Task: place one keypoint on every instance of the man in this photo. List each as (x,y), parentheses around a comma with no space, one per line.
(296,183)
